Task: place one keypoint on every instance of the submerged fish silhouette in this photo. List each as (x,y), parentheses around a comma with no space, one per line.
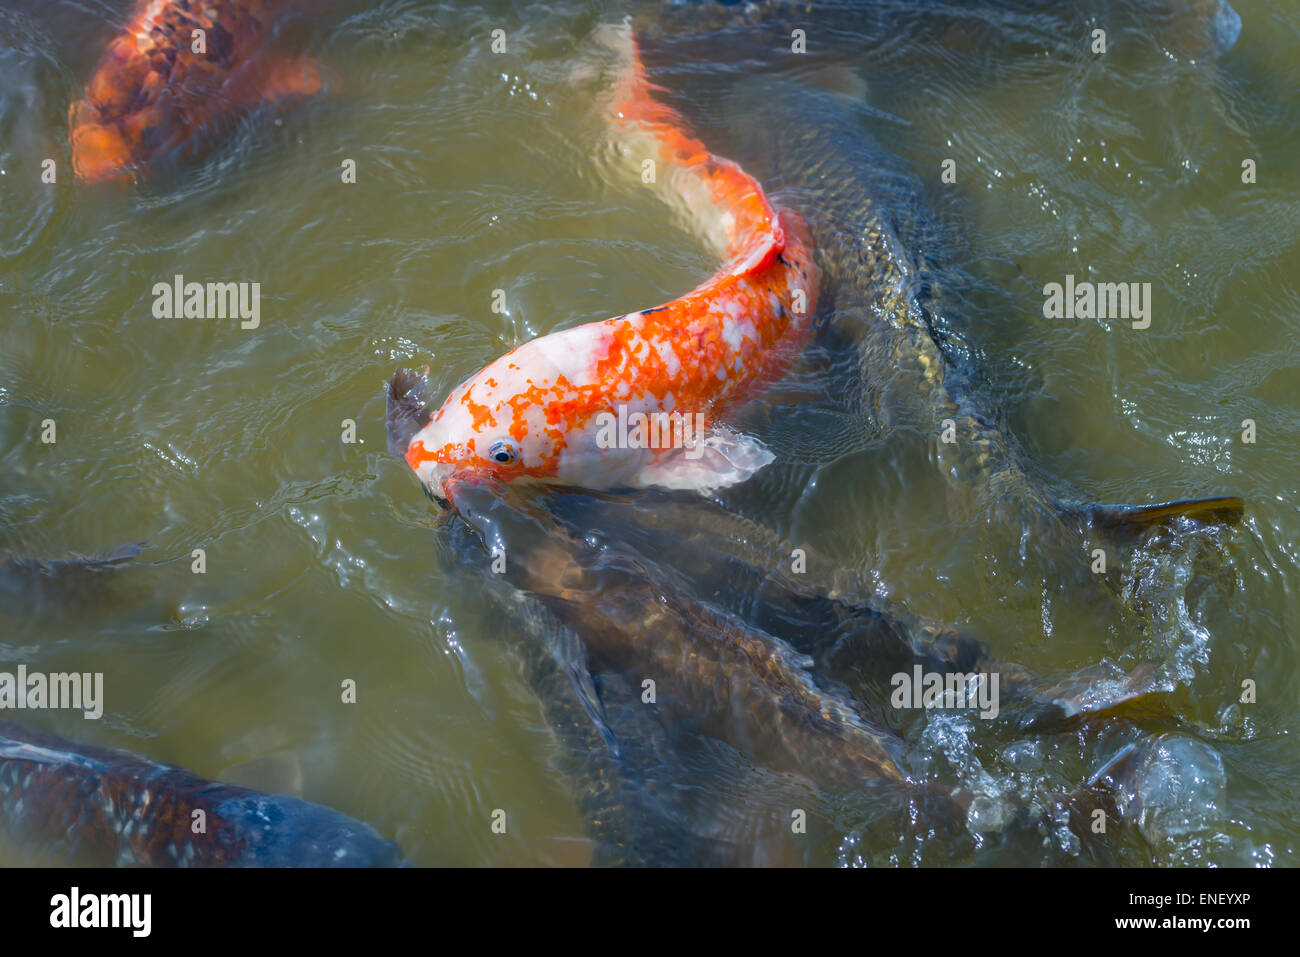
(852,635)
(119,808)
(710,669)
(30,585)
(877,249)
(180,70)
(720,676)
(616,756)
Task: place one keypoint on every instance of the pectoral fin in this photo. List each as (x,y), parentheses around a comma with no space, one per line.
(724,457)
(571,655)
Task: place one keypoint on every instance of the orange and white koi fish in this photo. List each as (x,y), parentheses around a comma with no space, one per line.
(557,408)
(181,68)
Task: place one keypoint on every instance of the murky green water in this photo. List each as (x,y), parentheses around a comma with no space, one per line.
(479,171)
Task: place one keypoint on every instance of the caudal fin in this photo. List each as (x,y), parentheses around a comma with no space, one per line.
(725,200)
(1223,509)
(1092,694)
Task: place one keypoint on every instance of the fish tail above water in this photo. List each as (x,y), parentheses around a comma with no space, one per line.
(119,808)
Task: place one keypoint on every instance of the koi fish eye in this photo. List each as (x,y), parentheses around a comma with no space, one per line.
(503,452)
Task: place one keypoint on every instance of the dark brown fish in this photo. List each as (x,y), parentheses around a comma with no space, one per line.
(714,673)
(854,635)
(617,758)
(710,671)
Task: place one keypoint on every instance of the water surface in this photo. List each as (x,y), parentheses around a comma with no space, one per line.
(479,171)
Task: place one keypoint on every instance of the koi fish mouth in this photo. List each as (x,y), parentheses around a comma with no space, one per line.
(407,413)
(100,151)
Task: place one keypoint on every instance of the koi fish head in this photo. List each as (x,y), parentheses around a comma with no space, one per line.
(112,125)
(635,401)
(526,416)
(100,151)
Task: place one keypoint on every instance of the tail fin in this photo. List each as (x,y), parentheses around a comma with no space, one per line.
(715,189)
(1095,693)
(1225,509)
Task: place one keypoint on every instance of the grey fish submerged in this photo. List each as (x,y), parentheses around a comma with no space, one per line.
(881,254)
(616,757)
(717,675)
(866,214)
(30,585)
(120,808)
(706,663)
(622,759)
(854,636)
(711,672)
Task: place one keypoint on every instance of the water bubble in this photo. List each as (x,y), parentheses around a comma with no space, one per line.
(1180,785)
(1023,755)
(987,815)
(848,853)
